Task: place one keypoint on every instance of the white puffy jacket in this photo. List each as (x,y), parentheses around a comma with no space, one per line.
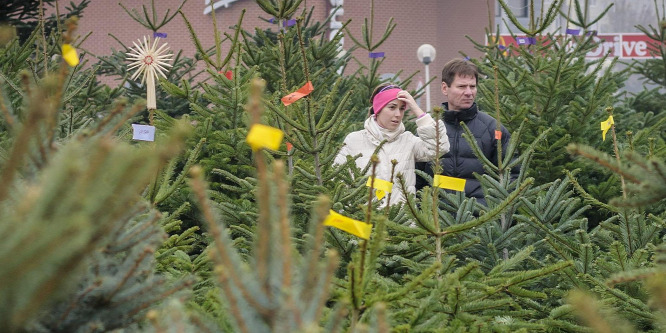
(402,146)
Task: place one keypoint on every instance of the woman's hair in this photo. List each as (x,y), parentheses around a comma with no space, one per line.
(378,89)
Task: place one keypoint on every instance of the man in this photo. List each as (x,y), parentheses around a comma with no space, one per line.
(459,82)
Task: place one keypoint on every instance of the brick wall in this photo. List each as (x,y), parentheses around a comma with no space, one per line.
(442,23)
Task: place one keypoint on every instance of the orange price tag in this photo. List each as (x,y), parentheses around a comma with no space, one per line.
(498,135)
(298,94)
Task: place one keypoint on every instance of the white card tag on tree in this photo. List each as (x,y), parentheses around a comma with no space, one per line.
(143,132)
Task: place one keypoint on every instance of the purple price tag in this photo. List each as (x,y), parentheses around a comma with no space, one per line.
(289,23)
(376,55)
(159,34)
(526,40)
(272,20)
(574,32)
(591,33)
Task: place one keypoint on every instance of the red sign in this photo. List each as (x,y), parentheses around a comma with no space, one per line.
(626,45)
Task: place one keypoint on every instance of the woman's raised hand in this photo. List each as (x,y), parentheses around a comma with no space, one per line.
(406,97)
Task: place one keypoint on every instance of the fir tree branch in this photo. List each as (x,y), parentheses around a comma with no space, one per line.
(411,285)
(376,247)
(129,274)
(222,253)
(410,204)
(632,304)
(285,232)
(284,116)
(75,302)
(318,303)
(226,284)
(632,275)
(234,42)
(586,196)
(13,85)
(165,192)
(146,304)
(337,115)
(36,114)
(314,244)
(527,276)
(197,42)
(601,159)
(490,215)
(588,309)
(560,239)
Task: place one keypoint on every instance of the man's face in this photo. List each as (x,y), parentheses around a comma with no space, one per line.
(461,93)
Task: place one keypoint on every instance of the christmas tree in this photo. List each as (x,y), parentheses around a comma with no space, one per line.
(212,228)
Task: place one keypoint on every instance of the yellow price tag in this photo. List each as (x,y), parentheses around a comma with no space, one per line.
(69,54)
(262,136)
(381,187)
(605,126)
(451,183)
(354,227)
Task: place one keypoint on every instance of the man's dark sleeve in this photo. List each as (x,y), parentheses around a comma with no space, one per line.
(425,167)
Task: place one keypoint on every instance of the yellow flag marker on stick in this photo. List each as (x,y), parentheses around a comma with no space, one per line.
(605,126)
(69,54)
(262,136)
(451,183)
(354,227)
(381,187)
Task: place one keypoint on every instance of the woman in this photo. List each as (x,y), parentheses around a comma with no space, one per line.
(384,123)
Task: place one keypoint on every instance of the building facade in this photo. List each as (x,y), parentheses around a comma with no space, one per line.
(445,24)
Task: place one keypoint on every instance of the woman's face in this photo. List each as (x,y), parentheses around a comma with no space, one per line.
(390,117)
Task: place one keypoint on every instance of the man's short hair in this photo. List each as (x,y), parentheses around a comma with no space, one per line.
(459,67)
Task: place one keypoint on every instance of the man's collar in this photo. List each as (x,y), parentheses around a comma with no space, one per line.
(461,115)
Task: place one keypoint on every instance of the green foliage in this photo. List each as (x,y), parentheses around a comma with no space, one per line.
(150,20)
(654,70)
(256,306)
(550,85)
(101,234)
(541,23)
(115,66)
(646,178)
(75,212)
(25,16)
(81,237)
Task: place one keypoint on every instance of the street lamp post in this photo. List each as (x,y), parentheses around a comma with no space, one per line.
(426,54)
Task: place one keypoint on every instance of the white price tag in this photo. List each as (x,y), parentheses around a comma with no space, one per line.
(143,132)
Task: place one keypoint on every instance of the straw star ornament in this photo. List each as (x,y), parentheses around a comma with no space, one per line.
(149,61)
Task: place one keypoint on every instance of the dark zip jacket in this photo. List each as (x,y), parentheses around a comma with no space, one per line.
(460,161)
